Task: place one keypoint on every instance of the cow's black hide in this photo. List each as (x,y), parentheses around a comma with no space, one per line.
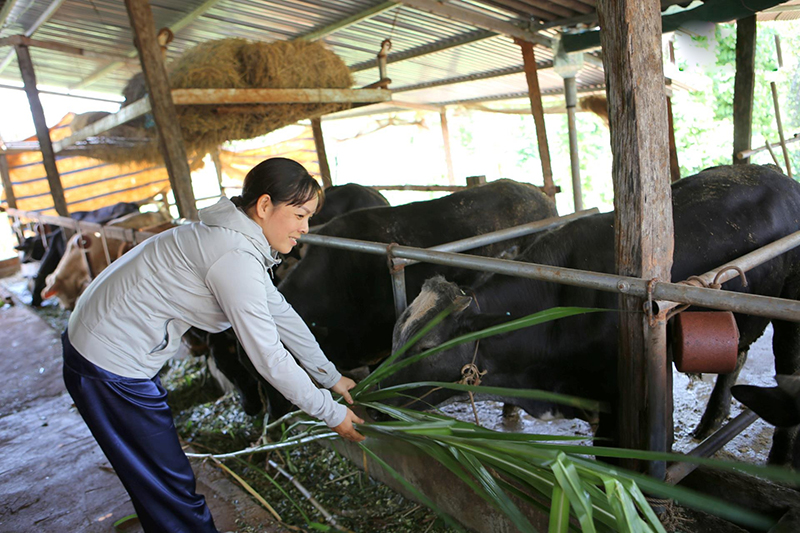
(719,215)
(346,297)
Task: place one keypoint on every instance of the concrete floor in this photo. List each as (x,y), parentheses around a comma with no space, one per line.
(54,475)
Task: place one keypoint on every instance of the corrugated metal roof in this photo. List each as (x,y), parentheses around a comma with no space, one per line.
(434,69)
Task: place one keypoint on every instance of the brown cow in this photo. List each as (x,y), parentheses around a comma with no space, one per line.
(74,272)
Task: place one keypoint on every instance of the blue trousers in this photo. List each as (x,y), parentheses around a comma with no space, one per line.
(133,424)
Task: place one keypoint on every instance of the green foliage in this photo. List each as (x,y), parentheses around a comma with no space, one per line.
(704,118)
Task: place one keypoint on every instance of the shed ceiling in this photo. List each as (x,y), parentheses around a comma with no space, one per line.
(454,55)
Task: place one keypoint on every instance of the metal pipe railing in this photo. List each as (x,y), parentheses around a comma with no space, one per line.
(113,232)
(504,234)
(677,471)
(745,263)
(779,308)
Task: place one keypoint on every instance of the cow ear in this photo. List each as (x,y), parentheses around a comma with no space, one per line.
(773,404)
(461,303)
(51,290)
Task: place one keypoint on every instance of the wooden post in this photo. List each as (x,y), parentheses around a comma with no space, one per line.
(322,156)
(42,133)
(218,167)
(448,154)
(537,109)
(11,200)
(786,157)
(571,99)
(475,181)
(166,119)
(631,40)
(674,166)
(744,86)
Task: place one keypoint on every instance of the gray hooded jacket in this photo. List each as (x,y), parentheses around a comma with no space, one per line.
(211,275)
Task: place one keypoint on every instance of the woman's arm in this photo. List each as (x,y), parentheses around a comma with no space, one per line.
(238,281)
(296,336)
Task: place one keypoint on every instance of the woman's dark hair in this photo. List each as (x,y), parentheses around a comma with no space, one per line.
(284,180)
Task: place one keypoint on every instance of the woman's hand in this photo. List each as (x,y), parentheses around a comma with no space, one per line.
(342,387)
(346,429)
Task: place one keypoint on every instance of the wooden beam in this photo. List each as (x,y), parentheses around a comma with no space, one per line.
(322,156)
(674,166)
(218,168)
(786,157)
(479,20)
(44,17)
(11,200)
(346,22)
(126,114)
(744,86)
(537,109)
(448,155)
(631,40)
(166,118)
(276,96)
(61,47)
(42,133)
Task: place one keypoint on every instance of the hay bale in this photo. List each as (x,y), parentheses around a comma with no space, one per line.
(238,63)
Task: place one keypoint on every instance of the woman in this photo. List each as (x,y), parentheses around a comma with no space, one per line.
(212,275)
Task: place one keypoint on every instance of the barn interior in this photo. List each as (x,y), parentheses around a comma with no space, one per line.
(411,54)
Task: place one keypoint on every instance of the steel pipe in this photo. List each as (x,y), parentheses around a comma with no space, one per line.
(677,471)
(745,263)
(729,301)
(505,234)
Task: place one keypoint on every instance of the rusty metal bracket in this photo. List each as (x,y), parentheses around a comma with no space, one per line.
(697,281)
(652,318)
(386,45)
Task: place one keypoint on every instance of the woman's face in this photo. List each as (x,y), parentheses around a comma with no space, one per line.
(282,224)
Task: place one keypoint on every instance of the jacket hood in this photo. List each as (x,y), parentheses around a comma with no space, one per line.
(226,215)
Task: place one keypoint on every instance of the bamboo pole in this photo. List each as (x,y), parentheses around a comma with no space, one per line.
(780,128)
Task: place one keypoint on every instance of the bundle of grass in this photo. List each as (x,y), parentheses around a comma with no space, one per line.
(238,64)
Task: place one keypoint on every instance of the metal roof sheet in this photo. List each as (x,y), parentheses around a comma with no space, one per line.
(441,57)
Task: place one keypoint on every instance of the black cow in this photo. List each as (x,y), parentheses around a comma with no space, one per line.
(339,200)
(57,244)
(346,297)
(780,406)
(342,199)
(719,215)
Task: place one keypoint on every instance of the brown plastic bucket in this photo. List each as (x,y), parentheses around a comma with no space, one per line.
(705,342)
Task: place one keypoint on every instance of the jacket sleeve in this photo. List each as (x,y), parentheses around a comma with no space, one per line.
(239,282)
(296,336)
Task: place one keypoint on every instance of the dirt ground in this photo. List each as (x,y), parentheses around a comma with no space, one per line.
(55,477)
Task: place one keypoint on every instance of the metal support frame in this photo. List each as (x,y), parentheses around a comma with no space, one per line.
(677,471)
(770,307)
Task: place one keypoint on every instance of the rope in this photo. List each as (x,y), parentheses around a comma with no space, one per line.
(470,374)
(695,281)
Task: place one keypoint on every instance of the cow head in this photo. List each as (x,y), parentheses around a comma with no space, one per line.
(780,406)
(71,277)
(436,296)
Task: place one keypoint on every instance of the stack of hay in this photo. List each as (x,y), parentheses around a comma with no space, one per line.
(236,64)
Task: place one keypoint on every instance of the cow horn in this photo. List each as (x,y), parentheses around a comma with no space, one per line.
(461,303)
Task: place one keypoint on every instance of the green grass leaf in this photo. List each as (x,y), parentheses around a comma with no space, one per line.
(559,512)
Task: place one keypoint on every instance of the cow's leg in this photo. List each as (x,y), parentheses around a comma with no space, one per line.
(786,347)
(223,350)
(719,404)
